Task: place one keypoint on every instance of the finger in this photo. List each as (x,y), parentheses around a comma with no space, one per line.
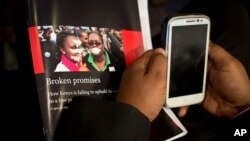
(219,56)
(141,63)
(158,63)
(183,111)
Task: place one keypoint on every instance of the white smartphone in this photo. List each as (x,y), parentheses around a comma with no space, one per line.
(186,44)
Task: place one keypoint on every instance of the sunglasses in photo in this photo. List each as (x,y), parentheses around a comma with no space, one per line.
(91,43)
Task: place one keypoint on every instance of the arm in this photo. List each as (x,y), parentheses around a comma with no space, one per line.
(93,119)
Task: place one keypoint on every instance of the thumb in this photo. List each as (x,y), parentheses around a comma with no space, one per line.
(219,56)
(141,63)
(157,66)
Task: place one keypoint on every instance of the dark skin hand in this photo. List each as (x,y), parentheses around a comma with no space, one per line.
(143,83)
(228,85)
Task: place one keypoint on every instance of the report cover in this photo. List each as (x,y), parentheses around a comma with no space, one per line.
(82,47)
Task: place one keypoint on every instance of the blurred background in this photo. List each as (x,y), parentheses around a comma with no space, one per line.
(21,116)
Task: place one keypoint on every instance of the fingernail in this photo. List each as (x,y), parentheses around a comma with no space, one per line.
(162,51)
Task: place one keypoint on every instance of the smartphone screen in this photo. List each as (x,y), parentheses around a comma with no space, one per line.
(188,52)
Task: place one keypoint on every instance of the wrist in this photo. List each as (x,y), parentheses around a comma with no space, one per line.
(138,108)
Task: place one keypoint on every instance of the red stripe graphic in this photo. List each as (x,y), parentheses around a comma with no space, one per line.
(133,45)
(36,50)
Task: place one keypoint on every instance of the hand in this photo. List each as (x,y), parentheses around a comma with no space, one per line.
(228,86)
(143,83)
